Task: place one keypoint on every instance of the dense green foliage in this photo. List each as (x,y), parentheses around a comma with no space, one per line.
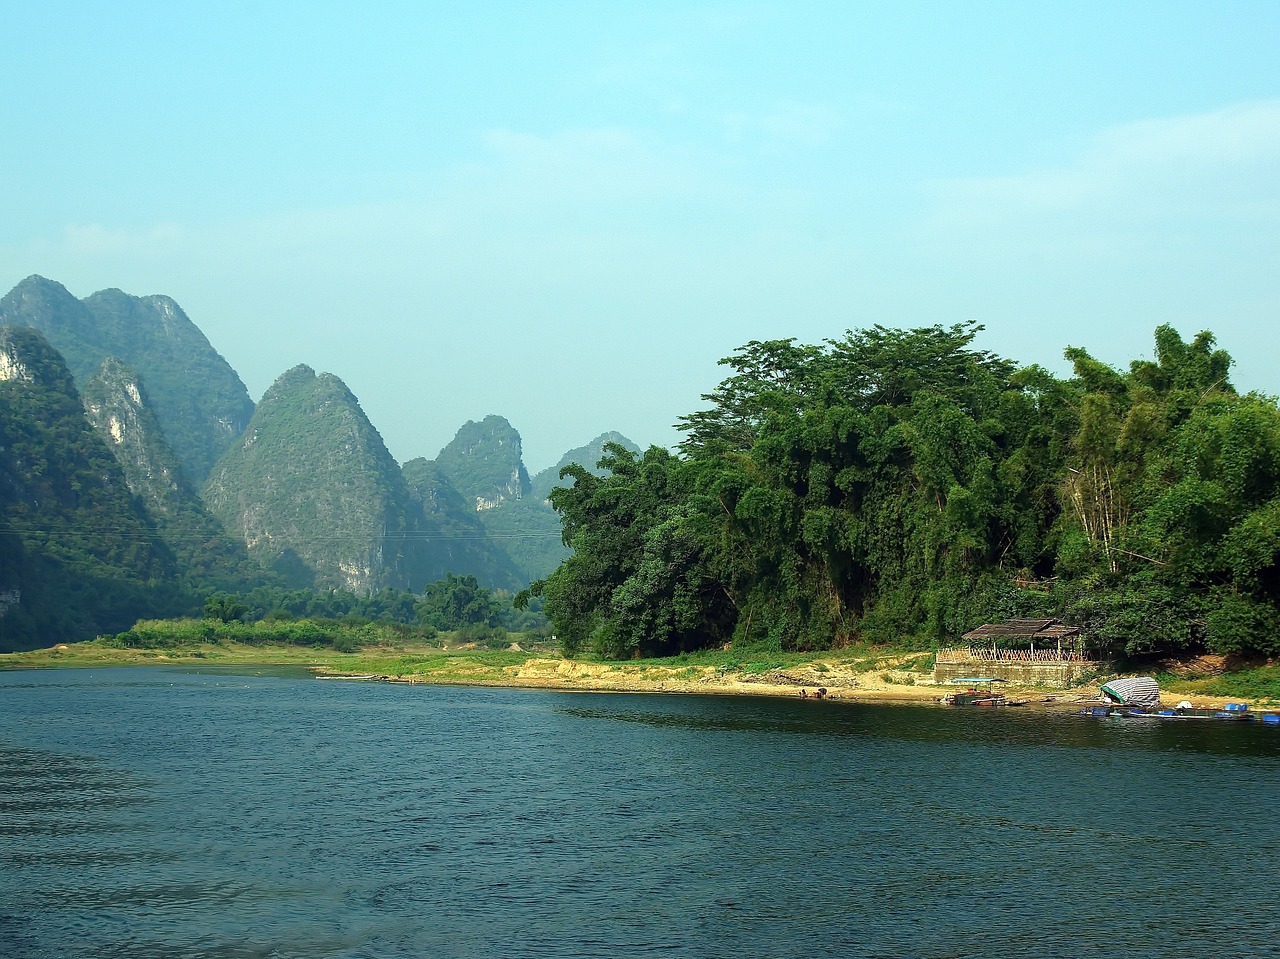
(78,553)
(454,602)
(199,400)
(344,636)
(901,484)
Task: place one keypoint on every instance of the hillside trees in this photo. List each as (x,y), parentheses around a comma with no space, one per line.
(79,553)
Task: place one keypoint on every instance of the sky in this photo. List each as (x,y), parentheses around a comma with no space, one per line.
(566,213)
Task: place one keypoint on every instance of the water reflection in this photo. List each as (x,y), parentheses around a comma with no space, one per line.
(1059,726)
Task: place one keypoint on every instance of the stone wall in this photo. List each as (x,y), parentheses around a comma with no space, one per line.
(1052,675)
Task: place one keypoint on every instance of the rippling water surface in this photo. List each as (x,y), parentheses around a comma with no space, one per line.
(182,813)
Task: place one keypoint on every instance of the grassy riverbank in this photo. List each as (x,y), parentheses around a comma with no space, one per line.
(865,673)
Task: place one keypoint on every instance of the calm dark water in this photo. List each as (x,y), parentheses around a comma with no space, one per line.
(183,813)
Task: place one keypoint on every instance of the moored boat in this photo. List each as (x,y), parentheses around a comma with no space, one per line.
(1232,712)
(975,697)
(978,694)
(1140,692)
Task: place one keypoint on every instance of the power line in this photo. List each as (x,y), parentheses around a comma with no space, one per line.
(165,535)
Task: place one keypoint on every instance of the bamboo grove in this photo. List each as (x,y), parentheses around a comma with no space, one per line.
(902,485)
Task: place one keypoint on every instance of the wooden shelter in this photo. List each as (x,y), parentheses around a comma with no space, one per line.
(1035,650)
(1051,636)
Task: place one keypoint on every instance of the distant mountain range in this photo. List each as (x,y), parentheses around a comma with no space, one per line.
(135,468)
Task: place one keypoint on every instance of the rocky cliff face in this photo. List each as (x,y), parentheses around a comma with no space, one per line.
(117,404)
(312,490)
(199,401)
(455,538)
(484,463)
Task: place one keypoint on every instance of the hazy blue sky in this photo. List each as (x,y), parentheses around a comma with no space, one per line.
(566,213)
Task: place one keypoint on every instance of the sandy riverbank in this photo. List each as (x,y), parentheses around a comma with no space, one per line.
(841,682)
(871,675)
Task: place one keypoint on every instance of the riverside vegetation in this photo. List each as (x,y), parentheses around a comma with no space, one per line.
(889,488)
(902,484)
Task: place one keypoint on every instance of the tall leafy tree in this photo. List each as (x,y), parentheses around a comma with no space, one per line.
(636,583)
(771,377)
(456,602)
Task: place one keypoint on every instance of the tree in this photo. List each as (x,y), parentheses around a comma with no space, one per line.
(456,602)
(901,484)
(773,377)
(637,582)
(224,607)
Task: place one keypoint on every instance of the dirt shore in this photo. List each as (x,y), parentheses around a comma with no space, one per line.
(828,681)
(877,675)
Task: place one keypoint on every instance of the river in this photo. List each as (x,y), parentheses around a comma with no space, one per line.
(188,812)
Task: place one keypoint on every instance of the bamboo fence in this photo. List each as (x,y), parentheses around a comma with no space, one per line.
(986,654)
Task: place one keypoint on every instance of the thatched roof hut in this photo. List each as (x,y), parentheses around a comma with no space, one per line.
(1036,632)
(1039,651)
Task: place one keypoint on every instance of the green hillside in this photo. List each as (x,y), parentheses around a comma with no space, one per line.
(456,540)
(199,400)
(313,492)
(78,552)
(483,462)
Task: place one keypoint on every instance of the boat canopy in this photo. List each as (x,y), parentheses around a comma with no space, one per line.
(1141,691)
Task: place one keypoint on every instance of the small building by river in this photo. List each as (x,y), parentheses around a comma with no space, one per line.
(1029,652)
